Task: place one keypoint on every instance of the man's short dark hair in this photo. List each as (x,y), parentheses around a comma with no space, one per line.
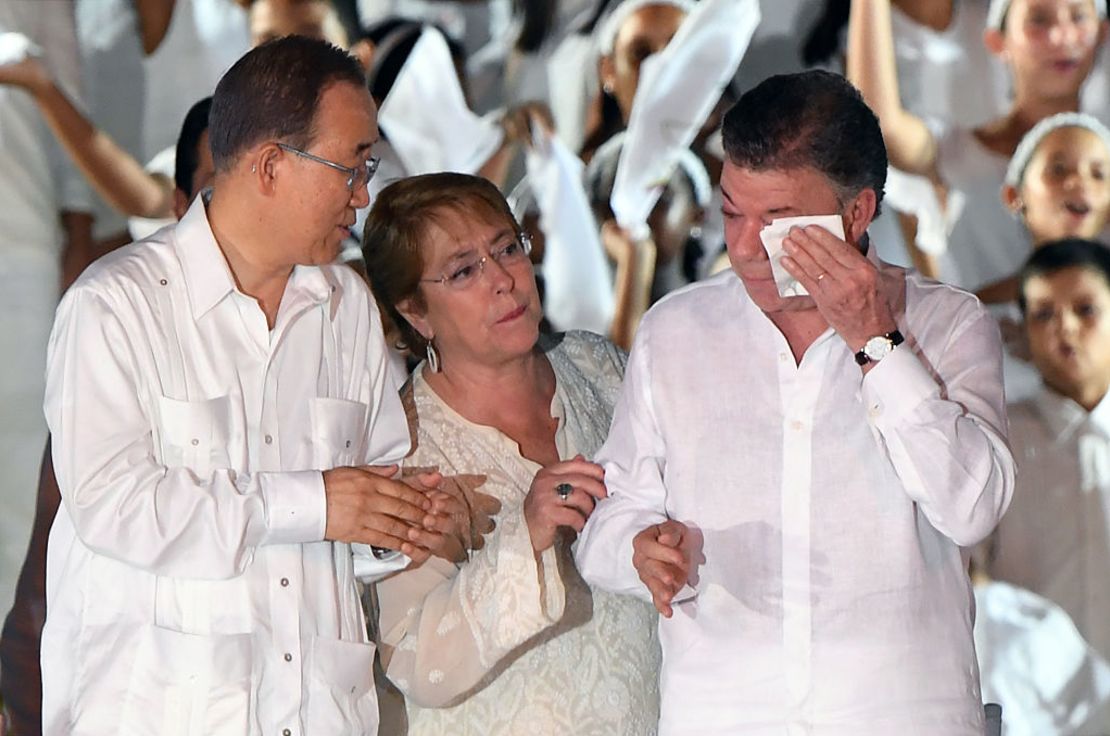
(815,119)
(187,156)
(1058,255)
(272,94)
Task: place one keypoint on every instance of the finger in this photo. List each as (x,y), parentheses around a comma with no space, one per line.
(385,471)
(402,492)
(376,536)
(589,486)
(439,523)
(801,260)
(424,481)
(486,503)
(424,538)
(663,554)
(396,508)
(416,470)
(661,596)
(484,525)
(581,501)
(832,247)
(564,516)
(445,503)
(576,466)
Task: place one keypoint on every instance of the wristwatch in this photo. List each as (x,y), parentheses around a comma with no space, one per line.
(879,347)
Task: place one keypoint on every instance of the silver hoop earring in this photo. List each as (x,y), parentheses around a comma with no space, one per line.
(433,357)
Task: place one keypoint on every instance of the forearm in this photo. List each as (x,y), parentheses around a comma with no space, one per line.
(114,173)
(171,523)
(634,274)
(872,68)
(949,451)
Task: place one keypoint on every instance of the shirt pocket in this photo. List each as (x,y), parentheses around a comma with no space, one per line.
(338,433)
(341,696)
(194,434)
(187,685)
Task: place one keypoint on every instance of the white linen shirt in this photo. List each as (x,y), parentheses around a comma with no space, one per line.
(188,587)
(1055,539)
(832,599)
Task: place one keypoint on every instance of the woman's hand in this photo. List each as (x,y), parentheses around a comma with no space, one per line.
(549,505)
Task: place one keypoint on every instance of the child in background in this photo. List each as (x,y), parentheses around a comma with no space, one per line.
(1055,538)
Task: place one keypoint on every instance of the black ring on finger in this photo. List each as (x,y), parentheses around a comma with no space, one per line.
(563,491)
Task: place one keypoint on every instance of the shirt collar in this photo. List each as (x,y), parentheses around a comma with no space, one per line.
(208,278)
(1100,416)
(1064,417)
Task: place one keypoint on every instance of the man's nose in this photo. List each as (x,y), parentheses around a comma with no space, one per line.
(360,195)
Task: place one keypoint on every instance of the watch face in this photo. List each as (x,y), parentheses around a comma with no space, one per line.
(878,348)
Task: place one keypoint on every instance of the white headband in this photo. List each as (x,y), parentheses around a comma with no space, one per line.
(1015,172)
(608,30)
(996,14)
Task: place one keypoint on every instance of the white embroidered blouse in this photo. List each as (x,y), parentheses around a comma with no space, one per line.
(501,644)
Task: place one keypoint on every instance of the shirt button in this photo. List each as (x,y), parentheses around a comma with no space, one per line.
(288,657)
(285,582)
(286,732)
(784,357)
(797,426)
(196,442)
(875,411)
(163,282)
(269,439)
(348,444)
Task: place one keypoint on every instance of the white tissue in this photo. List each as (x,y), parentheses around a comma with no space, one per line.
(772,236)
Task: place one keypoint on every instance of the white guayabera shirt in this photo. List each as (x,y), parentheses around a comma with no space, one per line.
(189,589)
(833,598)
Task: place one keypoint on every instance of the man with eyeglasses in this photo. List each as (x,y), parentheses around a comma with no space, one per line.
(224,429)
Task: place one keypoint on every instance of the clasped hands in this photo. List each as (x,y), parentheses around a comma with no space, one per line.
(843,284)
(420,514)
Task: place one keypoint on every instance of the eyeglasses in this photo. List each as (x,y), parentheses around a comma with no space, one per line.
(466,274)
(356,177)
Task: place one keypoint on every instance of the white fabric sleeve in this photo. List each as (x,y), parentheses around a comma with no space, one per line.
(634,461)
(123,503)
(948,445)
(447,627)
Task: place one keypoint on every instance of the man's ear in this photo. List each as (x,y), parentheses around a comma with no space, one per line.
(859,214)
(181,203)
(264,166)
(416,317)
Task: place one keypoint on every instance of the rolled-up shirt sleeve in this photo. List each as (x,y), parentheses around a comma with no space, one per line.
(947,438)
(633,457)
(126,505)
